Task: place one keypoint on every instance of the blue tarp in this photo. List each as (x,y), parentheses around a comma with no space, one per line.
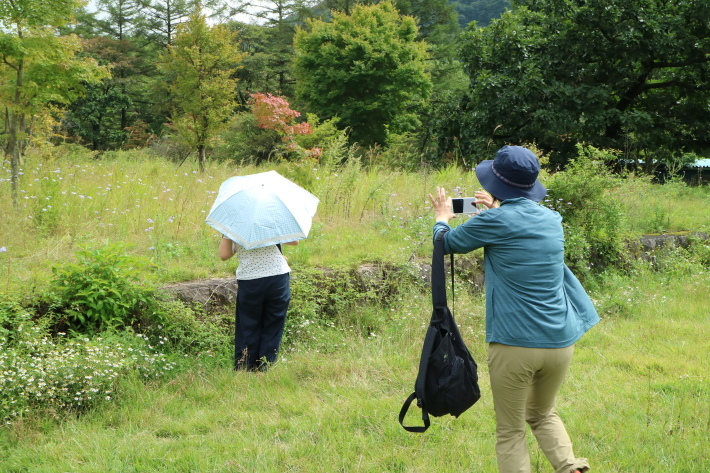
(700,163)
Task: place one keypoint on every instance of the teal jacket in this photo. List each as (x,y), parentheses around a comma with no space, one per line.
(532,298)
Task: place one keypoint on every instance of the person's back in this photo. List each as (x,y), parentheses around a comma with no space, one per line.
(535,308)
(526,301)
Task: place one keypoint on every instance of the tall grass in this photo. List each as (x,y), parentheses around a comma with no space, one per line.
(668,208)
(636,399)
(159,208)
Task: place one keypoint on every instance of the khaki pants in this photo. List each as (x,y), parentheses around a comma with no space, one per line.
(525,382)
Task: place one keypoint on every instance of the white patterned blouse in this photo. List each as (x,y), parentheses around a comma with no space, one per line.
(259,262)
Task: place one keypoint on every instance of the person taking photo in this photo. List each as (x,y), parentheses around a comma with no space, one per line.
(536,309)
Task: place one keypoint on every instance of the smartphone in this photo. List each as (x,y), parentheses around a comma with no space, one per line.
(464,205)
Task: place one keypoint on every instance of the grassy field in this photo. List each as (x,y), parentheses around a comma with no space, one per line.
(636,398)
(158,207)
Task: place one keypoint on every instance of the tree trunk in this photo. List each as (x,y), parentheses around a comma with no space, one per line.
(14,146)
(201,157)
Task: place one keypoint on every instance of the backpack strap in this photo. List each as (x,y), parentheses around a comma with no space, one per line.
(453,294)
(438,276)
(403,412)
(438,273)
(438,295)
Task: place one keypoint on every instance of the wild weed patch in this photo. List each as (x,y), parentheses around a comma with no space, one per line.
(41,373)
(102,290)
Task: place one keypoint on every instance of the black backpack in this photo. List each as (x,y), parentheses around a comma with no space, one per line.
(447,382)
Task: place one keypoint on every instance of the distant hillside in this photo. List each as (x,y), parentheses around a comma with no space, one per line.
(481,11)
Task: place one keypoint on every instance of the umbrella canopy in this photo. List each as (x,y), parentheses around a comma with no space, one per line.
(262,209)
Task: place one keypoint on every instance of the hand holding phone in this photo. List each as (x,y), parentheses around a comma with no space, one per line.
(464,205)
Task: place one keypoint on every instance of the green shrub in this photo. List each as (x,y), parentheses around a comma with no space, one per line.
(677,262)
(338,300)
(321,134)
(12,315)
(592,220)
(102,289)
(700,250)
(183,330)
(58,373)
(245,143)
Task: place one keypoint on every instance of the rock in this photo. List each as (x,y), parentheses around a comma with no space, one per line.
(648,244)
(210,294)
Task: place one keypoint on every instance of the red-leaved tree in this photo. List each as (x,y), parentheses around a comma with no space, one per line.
(273,112)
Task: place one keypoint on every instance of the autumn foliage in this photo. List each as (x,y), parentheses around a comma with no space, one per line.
(273,112)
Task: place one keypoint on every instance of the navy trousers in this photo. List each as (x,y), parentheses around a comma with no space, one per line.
(260,319)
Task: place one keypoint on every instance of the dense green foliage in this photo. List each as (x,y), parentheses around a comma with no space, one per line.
(38,68)
(199,66)
(367,69)
(480,11)
(592,219)
(41,373)
(625,75)
(102,290)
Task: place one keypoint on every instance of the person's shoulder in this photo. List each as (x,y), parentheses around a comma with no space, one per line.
(486,217)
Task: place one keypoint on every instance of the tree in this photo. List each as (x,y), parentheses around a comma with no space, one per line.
(120,17)
(117,36)
(200,64)
(101,116)
(280,18)
(612,74)
(164,16)
(431,15)
(256,73)
(38,67)
(368,69)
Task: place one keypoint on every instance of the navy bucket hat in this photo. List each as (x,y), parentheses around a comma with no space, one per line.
(513,173)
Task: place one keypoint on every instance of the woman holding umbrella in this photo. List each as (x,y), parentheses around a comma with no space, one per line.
(256,214)
(263,296)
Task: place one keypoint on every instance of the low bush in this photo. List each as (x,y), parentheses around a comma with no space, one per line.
(187,331)
(56,374)
(593,221)
(102,290)
(344,300)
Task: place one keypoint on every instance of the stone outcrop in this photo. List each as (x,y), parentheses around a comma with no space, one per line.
(209,294)
(647,245)
(219,294)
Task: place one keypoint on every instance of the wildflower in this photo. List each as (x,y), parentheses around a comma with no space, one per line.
(3,249)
